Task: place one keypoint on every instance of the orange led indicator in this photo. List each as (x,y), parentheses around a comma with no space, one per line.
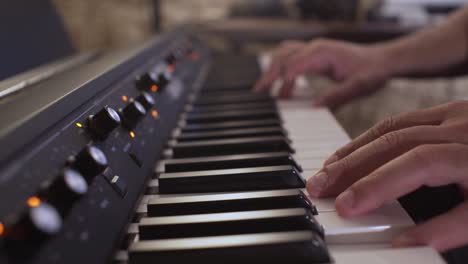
(171,68)
(154,88)
(194,56)
(33,201)
(2,229)
(124,98)
(132,134)
(79,125)
(155,113)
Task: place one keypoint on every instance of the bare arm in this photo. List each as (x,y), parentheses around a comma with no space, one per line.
(429,50)
(362,69)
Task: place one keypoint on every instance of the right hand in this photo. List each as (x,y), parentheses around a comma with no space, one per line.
(358,69)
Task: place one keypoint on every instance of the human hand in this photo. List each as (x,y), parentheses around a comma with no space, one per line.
(424,147)
(359,69)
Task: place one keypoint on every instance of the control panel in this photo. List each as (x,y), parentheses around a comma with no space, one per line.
(69,192)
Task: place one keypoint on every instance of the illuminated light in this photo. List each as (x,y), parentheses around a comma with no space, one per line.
(194,56)
(171,68)
(2,229)
(79,125)
(154,88)
(155,113)
(33,201)
(132,134)
(124,98)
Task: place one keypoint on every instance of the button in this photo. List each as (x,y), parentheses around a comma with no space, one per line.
(146,100)
(228,202)
(163,80)
(185,128)
(65,190)
(234,115)
(90,162)
(230,146)
(136,155)
(38,224)
(102,124)
(171,59)
(229,223)
(117,183)
(230,162)
(232,133)
(132,114)
(299,247)
(144,82)
(231,180)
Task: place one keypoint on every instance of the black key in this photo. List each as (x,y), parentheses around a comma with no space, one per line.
(232,133)
(220,224)
(245,86)
(247,98)
(245,179)
(230,146)
(236,115)
(231,107)
(299,247)
(229,125)
(231,162)
(229,202)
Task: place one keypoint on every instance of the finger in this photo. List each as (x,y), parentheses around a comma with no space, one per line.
(431,165)
(311,59)
(341,174)
(355,87)
(429,116)
(443,232)
(314,58)
(287,88)
(274,70)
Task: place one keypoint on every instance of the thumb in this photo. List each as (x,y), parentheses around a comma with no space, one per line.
(443,232)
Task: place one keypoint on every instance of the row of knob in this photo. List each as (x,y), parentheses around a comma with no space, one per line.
(105,121)
(56,197)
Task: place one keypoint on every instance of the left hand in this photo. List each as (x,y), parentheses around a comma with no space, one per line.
(397,156)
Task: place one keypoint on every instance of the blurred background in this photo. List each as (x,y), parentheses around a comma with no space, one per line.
(37,32)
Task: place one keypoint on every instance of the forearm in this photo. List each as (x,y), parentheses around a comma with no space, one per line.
(429,50)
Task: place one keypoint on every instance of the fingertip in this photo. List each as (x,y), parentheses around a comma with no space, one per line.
(404,240)
(317,183)
(345,203)
(332,159)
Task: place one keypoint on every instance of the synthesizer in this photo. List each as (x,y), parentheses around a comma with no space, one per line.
(161,153)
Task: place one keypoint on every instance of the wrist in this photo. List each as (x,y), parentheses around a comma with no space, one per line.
(388,59)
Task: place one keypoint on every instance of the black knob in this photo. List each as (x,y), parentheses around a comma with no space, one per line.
(65,190)
(132,114)
(145,82)
(163,80)
(39,223)
(90,162)
(102,124)
(171,59)
(146,100)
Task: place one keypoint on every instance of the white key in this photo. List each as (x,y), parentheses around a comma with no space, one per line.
(379,254)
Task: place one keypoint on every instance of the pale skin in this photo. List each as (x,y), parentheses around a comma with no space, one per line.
(425,147)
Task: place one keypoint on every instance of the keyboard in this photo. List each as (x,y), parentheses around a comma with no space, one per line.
(164,154)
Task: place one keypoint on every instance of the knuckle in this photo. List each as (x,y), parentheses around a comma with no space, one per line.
(390,139)
(344,164)
(384,126)
(424,155)
(456,104)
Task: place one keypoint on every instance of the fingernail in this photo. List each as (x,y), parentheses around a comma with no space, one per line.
(330,160)
(317,183)
(346,199)
(316,104)
(404,241)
